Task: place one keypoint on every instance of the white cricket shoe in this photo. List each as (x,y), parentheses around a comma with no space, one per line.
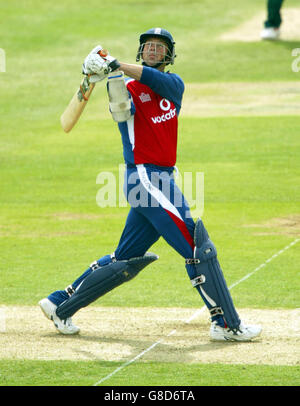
(243,333)
(270,33)
(63,326)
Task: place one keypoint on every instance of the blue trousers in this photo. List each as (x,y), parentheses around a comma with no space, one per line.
(158,209)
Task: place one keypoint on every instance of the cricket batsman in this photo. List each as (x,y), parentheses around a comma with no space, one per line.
(146,106)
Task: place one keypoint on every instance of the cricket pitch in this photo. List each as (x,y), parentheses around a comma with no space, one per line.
(119,334)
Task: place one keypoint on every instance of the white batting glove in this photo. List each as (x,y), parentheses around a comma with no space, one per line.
(96,49)
(93,63)
(113,63)
(97,67)
(97,78)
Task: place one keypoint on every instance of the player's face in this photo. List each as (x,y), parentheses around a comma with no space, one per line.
(154,51)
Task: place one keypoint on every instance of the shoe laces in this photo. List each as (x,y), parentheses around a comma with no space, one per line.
(235,330)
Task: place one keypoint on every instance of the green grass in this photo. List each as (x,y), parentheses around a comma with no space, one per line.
(250,164)
(65,373)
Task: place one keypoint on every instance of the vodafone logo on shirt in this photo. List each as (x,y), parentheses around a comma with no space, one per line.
(165,105)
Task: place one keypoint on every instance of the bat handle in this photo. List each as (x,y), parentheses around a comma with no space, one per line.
(103,53)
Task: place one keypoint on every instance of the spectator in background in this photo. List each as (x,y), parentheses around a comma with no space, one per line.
(271,25)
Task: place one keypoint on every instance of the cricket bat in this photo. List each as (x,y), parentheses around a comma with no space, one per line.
(78,102)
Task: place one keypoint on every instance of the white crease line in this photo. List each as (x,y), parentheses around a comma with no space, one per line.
(196,314)
(266,262)
(133,359)
(128,363)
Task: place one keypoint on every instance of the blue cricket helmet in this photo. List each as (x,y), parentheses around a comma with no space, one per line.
(162,34)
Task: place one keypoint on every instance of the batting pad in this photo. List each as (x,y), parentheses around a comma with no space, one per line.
(210,279)
(102,280)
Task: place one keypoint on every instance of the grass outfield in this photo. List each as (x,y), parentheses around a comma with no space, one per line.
(51,228)
(66,373)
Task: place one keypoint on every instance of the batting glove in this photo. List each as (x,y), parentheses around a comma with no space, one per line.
(97,67)
(93,63)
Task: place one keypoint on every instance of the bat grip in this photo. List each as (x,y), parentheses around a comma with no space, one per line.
(103,53)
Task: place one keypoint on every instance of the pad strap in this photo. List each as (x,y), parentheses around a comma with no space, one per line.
(70,290)
(214,311)
(192,261)
(198,280)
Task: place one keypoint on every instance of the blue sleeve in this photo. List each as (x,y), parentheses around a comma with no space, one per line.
(168,85)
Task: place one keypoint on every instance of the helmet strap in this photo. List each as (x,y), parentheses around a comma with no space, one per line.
(153,66)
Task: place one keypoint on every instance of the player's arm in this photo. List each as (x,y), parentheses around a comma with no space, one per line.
(131,70)
(166,85)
